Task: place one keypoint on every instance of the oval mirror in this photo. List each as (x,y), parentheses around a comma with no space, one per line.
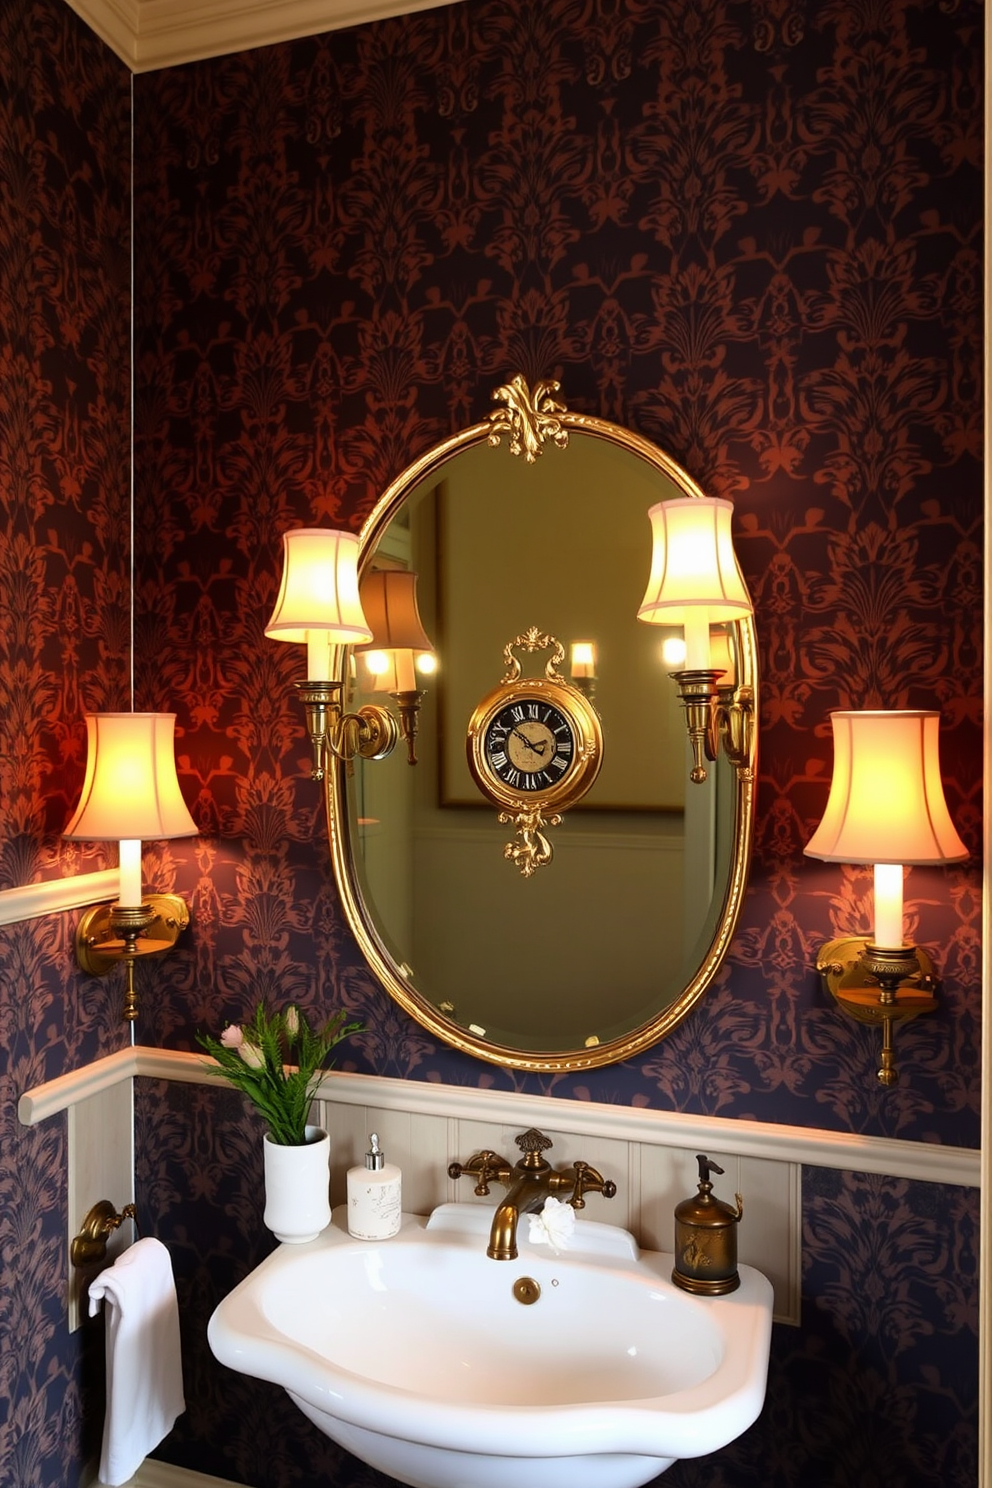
(533,520)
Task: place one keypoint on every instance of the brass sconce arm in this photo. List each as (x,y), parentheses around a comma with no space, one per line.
(879,986)
(408,705)
(108,934)
(372,732)
(716,715)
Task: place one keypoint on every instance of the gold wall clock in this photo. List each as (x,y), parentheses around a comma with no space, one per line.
(534,746)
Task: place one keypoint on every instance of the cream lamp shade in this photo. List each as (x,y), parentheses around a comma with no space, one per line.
(130,789)
(722,656)
(389,600)
(583,659)
(886,805)
(886,802)
(695,580)
(390,671)
(318,603)
(693,563)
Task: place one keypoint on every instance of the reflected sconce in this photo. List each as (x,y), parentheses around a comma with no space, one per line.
(695,582)
(886,807)
(399,644)
(582,665)
(319,607)
(722,657)
(130,794)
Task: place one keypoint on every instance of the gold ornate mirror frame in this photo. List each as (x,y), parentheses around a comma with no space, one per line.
(531,422)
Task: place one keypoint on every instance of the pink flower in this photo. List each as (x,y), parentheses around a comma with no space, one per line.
(232,1037)
(251,1054)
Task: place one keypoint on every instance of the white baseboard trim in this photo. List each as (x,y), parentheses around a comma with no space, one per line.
(848,1152)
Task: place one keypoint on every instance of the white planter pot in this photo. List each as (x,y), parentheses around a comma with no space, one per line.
(297,1184)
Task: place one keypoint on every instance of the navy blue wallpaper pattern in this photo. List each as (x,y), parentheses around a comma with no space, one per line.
(752,232)
(64,606)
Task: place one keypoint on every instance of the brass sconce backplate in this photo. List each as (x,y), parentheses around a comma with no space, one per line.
(99,949)
(877,987)
(371,733)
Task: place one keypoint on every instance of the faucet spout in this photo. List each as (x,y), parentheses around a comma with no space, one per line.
(526,1195)
(528,1186)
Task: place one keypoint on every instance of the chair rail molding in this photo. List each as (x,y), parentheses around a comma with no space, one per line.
(56,894)
(891,1156)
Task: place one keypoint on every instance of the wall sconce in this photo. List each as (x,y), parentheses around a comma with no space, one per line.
(721,654)
(319,606)
(695,582)
(130,794)
(582,665)
(886,807)
(389,600)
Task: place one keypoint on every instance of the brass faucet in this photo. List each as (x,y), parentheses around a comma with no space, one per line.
(528,1185)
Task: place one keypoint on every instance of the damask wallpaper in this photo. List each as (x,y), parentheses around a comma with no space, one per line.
(749,229)
(65,311)
(750,232)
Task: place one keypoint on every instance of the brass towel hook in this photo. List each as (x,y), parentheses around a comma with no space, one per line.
(89,1247)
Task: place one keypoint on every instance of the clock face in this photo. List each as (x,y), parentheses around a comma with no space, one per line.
(530,745)
(534,743)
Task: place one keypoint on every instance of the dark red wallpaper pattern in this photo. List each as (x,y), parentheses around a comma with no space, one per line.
(750,229)
(65,599)
(752,232)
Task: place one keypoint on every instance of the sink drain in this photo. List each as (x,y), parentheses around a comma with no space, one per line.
(526,1290)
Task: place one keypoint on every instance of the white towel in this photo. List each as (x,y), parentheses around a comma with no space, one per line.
(144,1368)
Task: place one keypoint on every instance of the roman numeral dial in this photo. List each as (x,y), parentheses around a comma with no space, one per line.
(530,745)
(534,747)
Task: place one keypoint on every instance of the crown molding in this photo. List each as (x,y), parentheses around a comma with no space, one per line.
(149,34)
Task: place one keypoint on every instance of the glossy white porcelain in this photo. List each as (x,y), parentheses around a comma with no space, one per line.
(415,1355)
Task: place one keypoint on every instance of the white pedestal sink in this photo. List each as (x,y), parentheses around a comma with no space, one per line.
(417,1356)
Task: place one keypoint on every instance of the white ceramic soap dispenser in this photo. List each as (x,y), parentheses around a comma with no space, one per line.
(374,1196)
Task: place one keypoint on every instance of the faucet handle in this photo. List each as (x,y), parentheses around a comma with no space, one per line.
(484,1167)
(587,1177)
(533,1141)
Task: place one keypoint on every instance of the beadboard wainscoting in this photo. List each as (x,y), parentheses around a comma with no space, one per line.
(100,1161)
(650,1178)
(423,1127)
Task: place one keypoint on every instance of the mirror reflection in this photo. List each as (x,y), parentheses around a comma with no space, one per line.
(616,935)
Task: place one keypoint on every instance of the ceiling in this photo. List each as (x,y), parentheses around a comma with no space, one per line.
(147,34)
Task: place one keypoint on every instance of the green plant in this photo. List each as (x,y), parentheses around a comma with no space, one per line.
(277,1060)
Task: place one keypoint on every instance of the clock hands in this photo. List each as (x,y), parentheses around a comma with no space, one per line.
(534,748)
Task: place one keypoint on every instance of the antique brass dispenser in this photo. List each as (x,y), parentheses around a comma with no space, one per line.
(706,1239)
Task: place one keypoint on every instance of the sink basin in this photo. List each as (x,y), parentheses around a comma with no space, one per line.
(417,1355)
